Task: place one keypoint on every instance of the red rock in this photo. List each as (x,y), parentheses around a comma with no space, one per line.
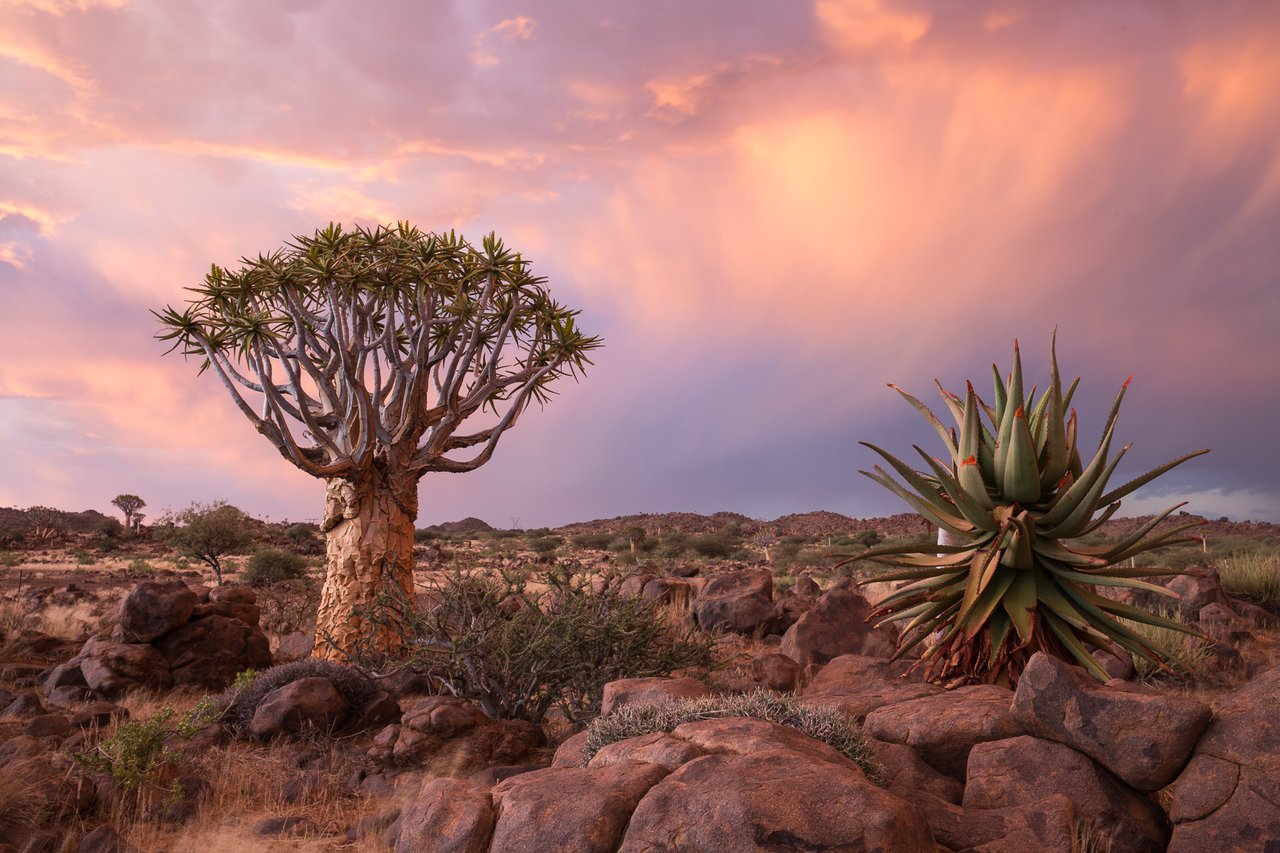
(1044,826)
(739,601)
(208,652)
(943,728)
(446,816)
(775,671)
(1145,739)
(836,626)
(648,691)
(570,809)
(569,753)
(1022,770)
(857,685)
(773,800)
(305,704)
(110,667)
(153,608)
(657,748)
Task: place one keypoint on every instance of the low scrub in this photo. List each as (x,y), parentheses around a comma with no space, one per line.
(1191,656)
(1253,576)
(828,725)
(271,566)
(520,644)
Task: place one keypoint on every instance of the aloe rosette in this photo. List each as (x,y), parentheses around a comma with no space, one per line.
(1016,498)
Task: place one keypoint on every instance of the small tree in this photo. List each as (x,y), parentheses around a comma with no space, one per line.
(129,506)
(46,523)
(359,355)
(209,532)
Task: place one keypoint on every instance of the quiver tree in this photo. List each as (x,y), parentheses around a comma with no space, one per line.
(128,506)
(359,355)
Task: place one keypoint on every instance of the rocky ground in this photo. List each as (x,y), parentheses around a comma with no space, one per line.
(313,756)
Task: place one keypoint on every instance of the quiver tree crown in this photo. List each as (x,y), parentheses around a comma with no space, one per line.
(362,347)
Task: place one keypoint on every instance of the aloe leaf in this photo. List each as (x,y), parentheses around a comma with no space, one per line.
(1079,519)
(1105,580)
(972,622)
(998,634)
(981,571)
(1138,482)
(951,523)
(925,489)
(1071,500)
(1001,399)
(1074,647)
(1102,519)
(942,431)
(1019,602)
(973,511)
(1134,538)
(1021,479)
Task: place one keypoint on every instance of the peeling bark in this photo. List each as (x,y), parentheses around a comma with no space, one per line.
(369,542)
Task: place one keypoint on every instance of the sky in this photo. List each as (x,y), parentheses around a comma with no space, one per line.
(769,209)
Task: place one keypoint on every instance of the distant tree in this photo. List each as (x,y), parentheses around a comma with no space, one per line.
(46,524)
(359,354)
(634,535)
(129,506)
(209,532)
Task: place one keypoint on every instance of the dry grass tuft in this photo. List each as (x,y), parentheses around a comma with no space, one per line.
(1253,576)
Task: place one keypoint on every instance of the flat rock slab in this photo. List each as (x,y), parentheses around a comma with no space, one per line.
(943,728)
(1145,739)
(773,800)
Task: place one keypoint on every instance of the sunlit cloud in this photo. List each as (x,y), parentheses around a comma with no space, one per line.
(508,31)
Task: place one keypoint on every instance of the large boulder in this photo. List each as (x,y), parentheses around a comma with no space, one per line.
(1046,825)
(233,602)
(836,626)
(446,816)
(857,685)
(110,667)
(659,748)
(740,601)
(943,728)
(1022,770)
(650,691)
(1144,738)
(209,651)
(772,800)
(153,608)
(304,705)
(1228,797)
(580,809)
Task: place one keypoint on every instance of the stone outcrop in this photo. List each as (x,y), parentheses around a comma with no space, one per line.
(648,691)
(943,728)
(857,685)
(739,601)
(1143,738)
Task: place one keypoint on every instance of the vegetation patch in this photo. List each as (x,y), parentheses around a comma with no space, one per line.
(832,727)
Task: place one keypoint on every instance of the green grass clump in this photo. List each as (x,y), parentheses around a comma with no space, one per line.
(828,725)
(1253,576)
(1191,656)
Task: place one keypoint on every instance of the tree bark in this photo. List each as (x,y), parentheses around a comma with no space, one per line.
(368,524)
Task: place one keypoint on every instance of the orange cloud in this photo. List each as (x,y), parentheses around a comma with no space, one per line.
(860,26)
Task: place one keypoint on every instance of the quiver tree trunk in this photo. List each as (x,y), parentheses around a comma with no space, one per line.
(369,575)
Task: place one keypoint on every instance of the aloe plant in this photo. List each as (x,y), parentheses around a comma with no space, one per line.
(1014,495)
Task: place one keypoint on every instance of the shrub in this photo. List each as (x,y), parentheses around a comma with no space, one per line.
(1189,654)
(140,566)
(712,546)
(109,528)
(209,532)
(519,652)
(423,535)
(672,546)
(302,538)
(244,697)
(828,725)
(545,544)
(1252,576)
(591,541)
(83,557)
(136,754)
(8,559)
(271,566)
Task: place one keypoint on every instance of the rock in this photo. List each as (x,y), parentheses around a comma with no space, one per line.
(775,671)
(233,602)
(740,601)
(491,776)
(208,652)
(48,725)
(154,608)
(1045,826)
(23,705)
(657,748)
(446,816)
(305,704)
(1200,587)
(289,825)
(1227,797)
(580,809)
(836,626)
(66,697)
(1021,770)
(943,728)
(371,826)
(569,753)
(772,800)
(104,839)
(443,716)
(806,585)
(747,736)
(99,714)
(649,691)
(1115,662)
(906,774)
(1145,739)
(21,747)
(676,593)
(403,683)
(381,710)
(295,646)
(857,685)
(66,674)
(111,667)
(632,586)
